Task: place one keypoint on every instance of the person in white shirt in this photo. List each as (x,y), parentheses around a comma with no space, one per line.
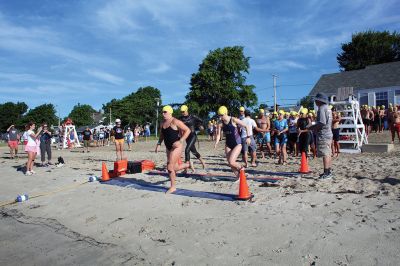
(129,138)
(32,147)
(252,148)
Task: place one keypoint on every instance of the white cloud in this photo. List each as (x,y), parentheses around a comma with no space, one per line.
(160,68)
(124,15)
(105,76)
(43,42)
(281,65)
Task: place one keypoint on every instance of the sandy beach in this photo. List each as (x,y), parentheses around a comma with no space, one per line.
(293,219)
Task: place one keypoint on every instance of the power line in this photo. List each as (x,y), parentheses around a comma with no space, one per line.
(284,85)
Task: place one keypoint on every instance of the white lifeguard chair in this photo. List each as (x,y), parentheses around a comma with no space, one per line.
(352,130)
(68,129)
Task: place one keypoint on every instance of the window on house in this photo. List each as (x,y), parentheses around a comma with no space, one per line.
(397,97)
(363,98)
(381,98)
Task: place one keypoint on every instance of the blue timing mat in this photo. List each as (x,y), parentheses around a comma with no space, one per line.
(218,176)
(181,192)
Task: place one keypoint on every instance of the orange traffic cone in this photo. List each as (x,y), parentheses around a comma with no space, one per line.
(105,176)
(244,193)
(304,164)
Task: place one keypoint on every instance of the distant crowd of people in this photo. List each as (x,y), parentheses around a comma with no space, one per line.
(37,141)
(275,135)
(380,118)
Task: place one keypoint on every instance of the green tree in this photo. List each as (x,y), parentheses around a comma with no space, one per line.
(40,114)
(306,102)
(220,80)
(369,48)
(11,114)
(137,108)
(82,115)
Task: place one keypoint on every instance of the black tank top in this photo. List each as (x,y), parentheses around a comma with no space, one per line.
(302,122)
(170,136)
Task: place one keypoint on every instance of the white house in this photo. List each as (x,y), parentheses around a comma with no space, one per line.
(375,85)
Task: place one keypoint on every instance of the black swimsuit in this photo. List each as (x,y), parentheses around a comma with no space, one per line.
(191,121)
(170,136)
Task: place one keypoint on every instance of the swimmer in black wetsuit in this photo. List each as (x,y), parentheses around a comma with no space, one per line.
(191,121)
(233,146)
(173,133)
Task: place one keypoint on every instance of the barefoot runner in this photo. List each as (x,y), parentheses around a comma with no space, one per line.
(233,145)
(171,129)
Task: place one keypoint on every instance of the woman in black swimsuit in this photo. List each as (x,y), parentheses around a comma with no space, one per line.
(173,133)
(233,145)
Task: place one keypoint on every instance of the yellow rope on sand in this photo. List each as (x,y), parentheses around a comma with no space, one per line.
(5,203)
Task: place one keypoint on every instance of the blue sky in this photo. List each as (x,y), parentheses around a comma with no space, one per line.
(65,52)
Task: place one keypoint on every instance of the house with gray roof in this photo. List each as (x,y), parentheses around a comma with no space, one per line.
(375,85)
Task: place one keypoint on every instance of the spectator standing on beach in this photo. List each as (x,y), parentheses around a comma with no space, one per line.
(87,137)
(119,139)
(146,131)
(137,133)
(102,136)
(323,129)
(45,145)
(107,137)
(13,139)
(129,138)
(32,147)
(335,132)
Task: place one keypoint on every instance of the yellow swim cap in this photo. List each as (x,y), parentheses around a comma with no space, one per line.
(184,108)
(330,107)
(304,111)
(383,106)
(241,108)
(222,110)
(168,109)
(281,112)
(275,113)
(261,111)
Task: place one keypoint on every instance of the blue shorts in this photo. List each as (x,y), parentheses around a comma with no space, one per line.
(248,148)
(263,138)
(147,133)
(282,139)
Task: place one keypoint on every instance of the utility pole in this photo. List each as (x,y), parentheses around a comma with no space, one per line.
(110,116)
(158,104)
(59,119)
(274,84)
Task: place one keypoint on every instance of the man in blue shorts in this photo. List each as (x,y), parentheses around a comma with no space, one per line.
(264,137)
